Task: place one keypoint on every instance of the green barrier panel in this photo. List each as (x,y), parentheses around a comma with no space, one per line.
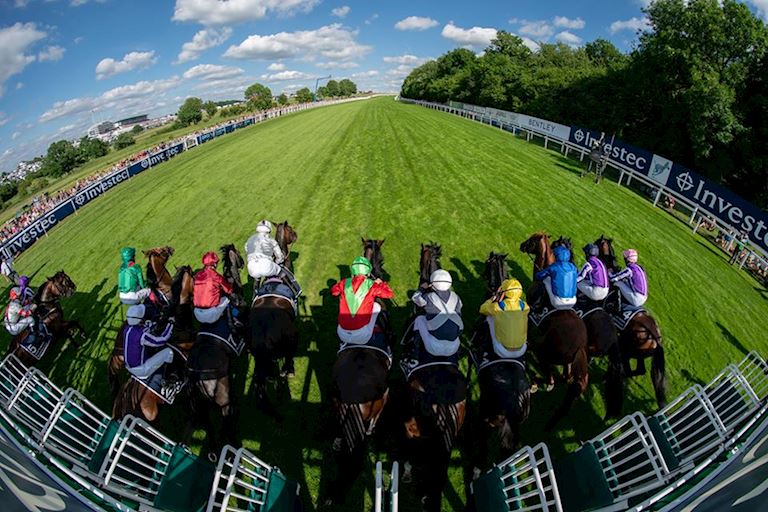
(664,445)
(581,481)
(488,494)
(94,466)
(186,484)
(281,493)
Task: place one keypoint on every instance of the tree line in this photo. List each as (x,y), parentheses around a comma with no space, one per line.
(694,88)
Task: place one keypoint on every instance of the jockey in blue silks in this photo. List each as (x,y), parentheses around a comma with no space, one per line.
(560,279)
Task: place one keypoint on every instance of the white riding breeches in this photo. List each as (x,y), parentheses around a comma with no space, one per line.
(133,298)
(558,302)
(152,364)
(597,293)
(211,315)
(364,334)
(262,267)
(18,327)
(630,295)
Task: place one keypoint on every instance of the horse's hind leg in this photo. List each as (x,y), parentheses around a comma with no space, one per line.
(228,413)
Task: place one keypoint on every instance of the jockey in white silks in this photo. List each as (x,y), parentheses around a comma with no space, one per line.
(263,253)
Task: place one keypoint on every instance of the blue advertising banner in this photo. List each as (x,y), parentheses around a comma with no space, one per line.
(165,154)
(230,128)
(205,137)
(619,151)
(136,168)
(219,132)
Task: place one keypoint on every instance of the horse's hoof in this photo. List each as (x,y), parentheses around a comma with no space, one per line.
(406,477)
(476,473)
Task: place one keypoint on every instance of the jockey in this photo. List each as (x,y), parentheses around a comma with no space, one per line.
(507,317)
(560,279)
(358,309)
(145,353)
(440,326)
(6,269)
(265,257)
(19,313)
(210,290)
(632,282)
(593,278)
(130,279)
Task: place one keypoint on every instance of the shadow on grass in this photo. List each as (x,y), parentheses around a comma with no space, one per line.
(733,340)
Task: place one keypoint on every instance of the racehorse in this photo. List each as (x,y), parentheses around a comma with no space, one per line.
(273,332)
(158,276)
(359,392)
(603,340)
(641,338)
(435,408)
(210,366)
(505,393)
(564,340)
(285,236)
(182,289)
(133,397)
(50,314)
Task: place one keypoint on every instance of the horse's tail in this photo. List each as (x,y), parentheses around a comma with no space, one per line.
(577,386)
(659,375)
(115,364)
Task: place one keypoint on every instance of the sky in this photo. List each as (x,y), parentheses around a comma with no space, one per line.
(67,64)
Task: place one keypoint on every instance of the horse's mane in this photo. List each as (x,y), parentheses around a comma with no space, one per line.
(495,269)
(177,283)
(151,276)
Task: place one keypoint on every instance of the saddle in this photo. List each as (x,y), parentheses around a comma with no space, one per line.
(36,345)
(628,312)
(586,306)
(275,287)
(419,357)
(157,383)
(221,332)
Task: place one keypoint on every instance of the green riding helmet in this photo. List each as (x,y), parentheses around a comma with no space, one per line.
(361,266)
(127,254)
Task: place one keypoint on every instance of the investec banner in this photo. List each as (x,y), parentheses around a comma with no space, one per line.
(637,159)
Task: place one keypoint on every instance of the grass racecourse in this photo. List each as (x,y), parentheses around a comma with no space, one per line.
(386,170)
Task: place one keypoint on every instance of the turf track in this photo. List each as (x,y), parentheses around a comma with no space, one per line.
(386,170)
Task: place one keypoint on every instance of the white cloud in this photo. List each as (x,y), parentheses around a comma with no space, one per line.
(337,65)
(218,12)
(211,72)
(79,40)
(537,29)
(201,41)
(475,36)
(332,42)
(415,23)
(573,24)
(276,66)
(365,74)
(762,7)
(110,98)
(19,85)
(135,60)
(14,43)
(568,38)
(341,12)
(15,135)
(531,44)
(285,75)
(634,24)
(4,119)
(52,53)
(373,18)
(77,3)
(406,59)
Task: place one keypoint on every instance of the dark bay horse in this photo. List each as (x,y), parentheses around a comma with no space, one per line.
(273,331)
(603,340)
(641,338)
(505,393)
(182,289)
(435,408)
(210,366)
(50,313)
(359,392)
(564,335)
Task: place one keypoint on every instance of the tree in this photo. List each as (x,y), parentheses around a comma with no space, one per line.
(282,99)
(60,159)
(304,95)
(190,111)
(91,148)
(124,140)
(259,97)
(510,45)
(137,129)
(603,53)
(347,87)
(332,89)
(210,108)
(322,92)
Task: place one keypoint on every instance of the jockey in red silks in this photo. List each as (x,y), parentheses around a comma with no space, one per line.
(211,290)
(358,308)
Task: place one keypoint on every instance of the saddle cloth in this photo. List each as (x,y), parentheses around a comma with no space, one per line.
(628,312)
(38,346)
(220,331)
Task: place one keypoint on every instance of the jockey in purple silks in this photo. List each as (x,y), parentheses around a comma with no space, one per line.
(593,278)
(145,353)
(632,281)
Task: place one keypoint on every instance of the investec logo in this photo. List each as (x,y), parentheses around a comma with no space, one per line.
(722,208)
(614,152)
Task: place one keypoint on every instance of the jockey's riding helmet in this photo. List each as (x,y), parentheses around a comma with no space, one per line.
(264,227)
(135,314)
(630,256)
(441,280)
(591,250)
(361,266)
(210,259)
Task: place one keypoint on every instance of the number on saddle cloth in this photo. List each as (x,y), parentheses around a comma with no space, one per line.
(165,389)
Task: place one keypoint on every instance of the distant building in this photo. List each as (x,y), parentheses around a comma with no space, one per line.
(100,129)
(130,121)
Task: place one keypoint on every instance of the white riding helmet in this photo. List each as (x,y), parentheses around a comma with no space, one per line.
(441,280)
(264,227)
(135,314)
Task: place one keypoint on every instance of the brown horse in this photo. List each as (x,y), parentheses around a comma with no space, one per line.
(564,335)
(359,392)
(158,276)
(182,288)
(435,408)
(285,236)
(50,313)
(641,338)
